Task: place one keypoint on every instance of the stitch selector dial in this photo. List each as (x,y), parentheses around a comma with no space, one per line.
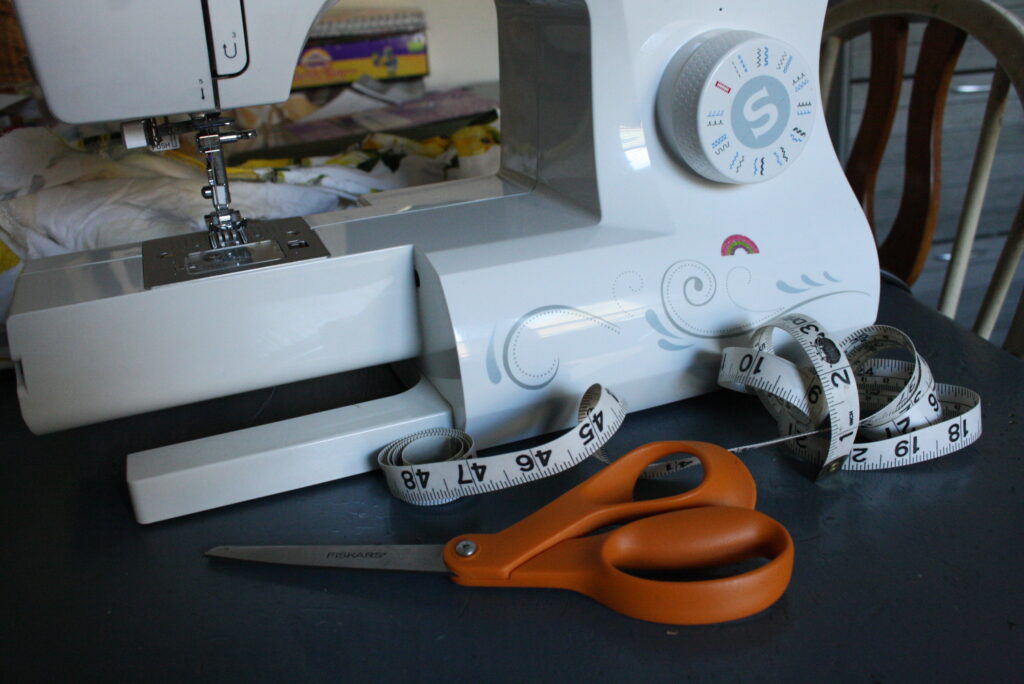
(736,106)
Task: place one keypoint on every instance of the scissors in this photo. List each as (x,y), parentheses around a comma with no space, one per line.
(711,525)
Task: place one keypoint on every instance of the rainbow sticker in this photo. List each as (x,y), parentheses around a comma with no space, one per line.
(737,242)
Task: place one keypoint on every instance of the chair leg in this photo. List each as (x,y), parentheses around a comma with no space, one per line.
(905,249)
(827,70)
(1015,338)
(888,56)
(981,170)
(999,285)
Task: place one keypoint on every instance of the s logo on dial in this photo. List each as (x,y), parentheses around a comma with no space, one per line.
(760,112)
(736,106)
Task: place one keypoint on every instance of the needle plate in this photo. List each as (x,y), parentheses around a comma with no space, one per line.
(182,258)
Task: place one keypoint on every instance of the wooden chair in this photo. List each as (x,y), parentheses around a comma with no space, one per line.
(906,247)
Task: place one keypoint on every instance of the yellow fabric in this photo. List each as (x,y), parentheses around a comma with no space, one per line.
(8,259)
(472,140)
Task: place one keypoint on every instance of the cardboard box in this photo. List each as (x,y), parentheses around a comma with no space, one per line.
(327,62)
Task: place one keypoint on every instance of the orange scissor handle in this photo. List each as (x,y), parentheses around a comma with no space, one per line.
(604,499)
(603,566)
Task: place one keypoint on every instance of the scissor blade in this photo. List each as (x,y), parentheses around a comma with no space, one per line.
(415,557)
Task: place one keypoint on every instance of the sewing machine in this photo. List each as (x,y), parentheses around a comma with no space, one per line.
(667,186)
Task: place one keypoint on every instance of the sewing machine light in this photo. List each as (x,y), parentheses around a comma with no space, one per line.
(736,106)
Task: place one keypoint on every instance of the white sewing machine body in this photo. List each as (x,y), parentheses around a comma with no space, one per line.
(595,255)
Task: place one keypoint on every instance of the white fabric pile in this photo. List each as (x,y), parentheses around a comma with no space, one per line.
(55,199)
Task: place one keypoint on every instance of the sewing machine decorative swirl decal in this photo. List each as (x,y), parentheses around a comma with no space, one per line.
(688,313)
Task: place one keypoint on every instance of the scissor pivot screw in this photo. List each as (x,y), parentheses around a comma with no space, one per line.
(465,548)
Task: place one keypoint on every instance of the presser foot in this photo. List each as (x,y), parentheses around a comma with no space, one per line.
(228,237)
(212,132)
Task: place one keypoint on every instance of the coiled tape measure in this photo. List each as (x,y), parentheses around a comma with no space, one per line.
(911,418)
(848,410)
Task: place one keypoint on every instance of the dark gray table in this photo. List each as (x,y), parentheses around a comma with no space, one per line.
(911,574)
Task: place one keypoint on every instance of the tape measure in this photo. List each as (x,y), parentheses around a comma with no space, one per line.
(909,417)
(850,409)
(438,466)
